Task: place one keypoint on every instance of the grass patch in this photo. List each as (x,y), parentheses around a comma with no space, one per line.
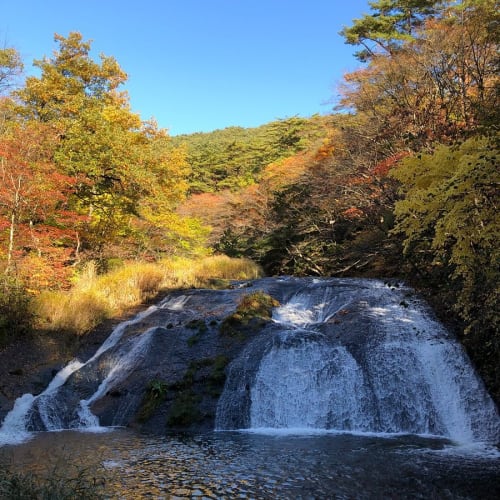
(154,396)
(255,308)
(82,484)
(76,311)
(96,297)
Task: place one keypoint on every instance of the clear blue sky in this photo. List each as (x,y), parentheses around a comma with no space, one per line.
(200,65)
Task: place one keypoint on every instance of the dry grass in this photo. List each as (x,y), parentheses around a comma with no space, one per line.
(185,273)
(96,297)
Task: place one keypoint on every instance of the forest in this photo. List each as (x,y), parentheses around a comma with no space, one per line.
(400,180)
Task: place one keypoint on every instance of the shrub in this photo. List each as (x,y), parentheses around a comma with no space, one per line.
(81,484)
(15,309)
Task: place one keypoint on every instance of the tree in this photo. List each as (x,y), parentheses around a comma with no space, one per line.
(11,67)
(448,218)
(35,222)
(459,54)
(71,81)
(439,85)
(162,229)
(97,130)
(448,215)
(392,23)
(116,160)
(235,158)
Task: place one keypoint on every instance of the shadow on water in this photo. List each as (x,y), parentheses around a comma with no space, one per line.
(252,465)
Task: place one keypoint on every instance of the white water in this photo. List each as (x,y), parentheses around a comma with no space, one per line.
(342,356)
(118,369)
(13,429)
(311,377)
(414,379)
(311,306)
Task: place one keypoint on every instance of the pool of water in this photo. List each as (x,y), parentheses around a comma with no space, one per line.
(260,465)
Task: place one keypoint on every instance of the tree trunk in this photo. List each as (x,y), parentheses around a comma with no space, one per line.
(11,242)
(13,220)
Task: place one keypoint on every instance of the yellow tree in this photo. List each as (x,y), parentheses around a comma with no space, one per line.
(80,97)
(102,143)
(11,67)
(159,228)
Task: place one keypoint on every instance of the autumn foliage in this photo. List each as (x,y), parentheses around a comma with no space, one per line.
(39,236)
(82,177)
(399,181)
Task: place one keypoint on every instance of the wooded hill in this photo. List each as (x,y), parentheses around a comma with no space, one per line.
(400,180)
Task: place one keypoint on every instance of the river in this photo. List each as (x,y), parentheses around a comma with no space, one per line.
(255,465)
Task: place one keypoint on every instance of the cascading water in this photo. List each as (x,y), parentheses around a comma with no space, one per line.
(346,355)
(50,410)
(311,376)
(358,355)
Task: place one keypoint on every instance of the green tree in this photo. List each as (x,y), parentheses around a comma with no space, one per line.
(392,23)
(449,221)
(235,157)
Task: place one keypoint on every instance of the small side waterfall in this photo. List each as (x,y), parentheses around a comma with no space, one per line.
(14,427)
(56,409)
(361,356)
(119,368)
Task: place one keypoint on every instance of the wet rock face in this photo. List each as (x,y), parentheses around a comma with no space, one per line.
(179,348)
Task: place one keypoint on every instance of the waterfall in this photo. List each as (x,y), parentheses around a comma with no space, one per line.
(115,359)
(312,375)
(359,356)
(346,355)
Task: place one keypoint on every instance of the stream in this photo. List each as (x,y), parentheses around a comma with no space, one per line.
(352,389)
(268,466)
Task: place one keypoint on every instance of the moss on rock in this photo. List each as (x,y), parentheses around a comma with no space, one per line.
(184,410)
(154,396)
(254,310)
